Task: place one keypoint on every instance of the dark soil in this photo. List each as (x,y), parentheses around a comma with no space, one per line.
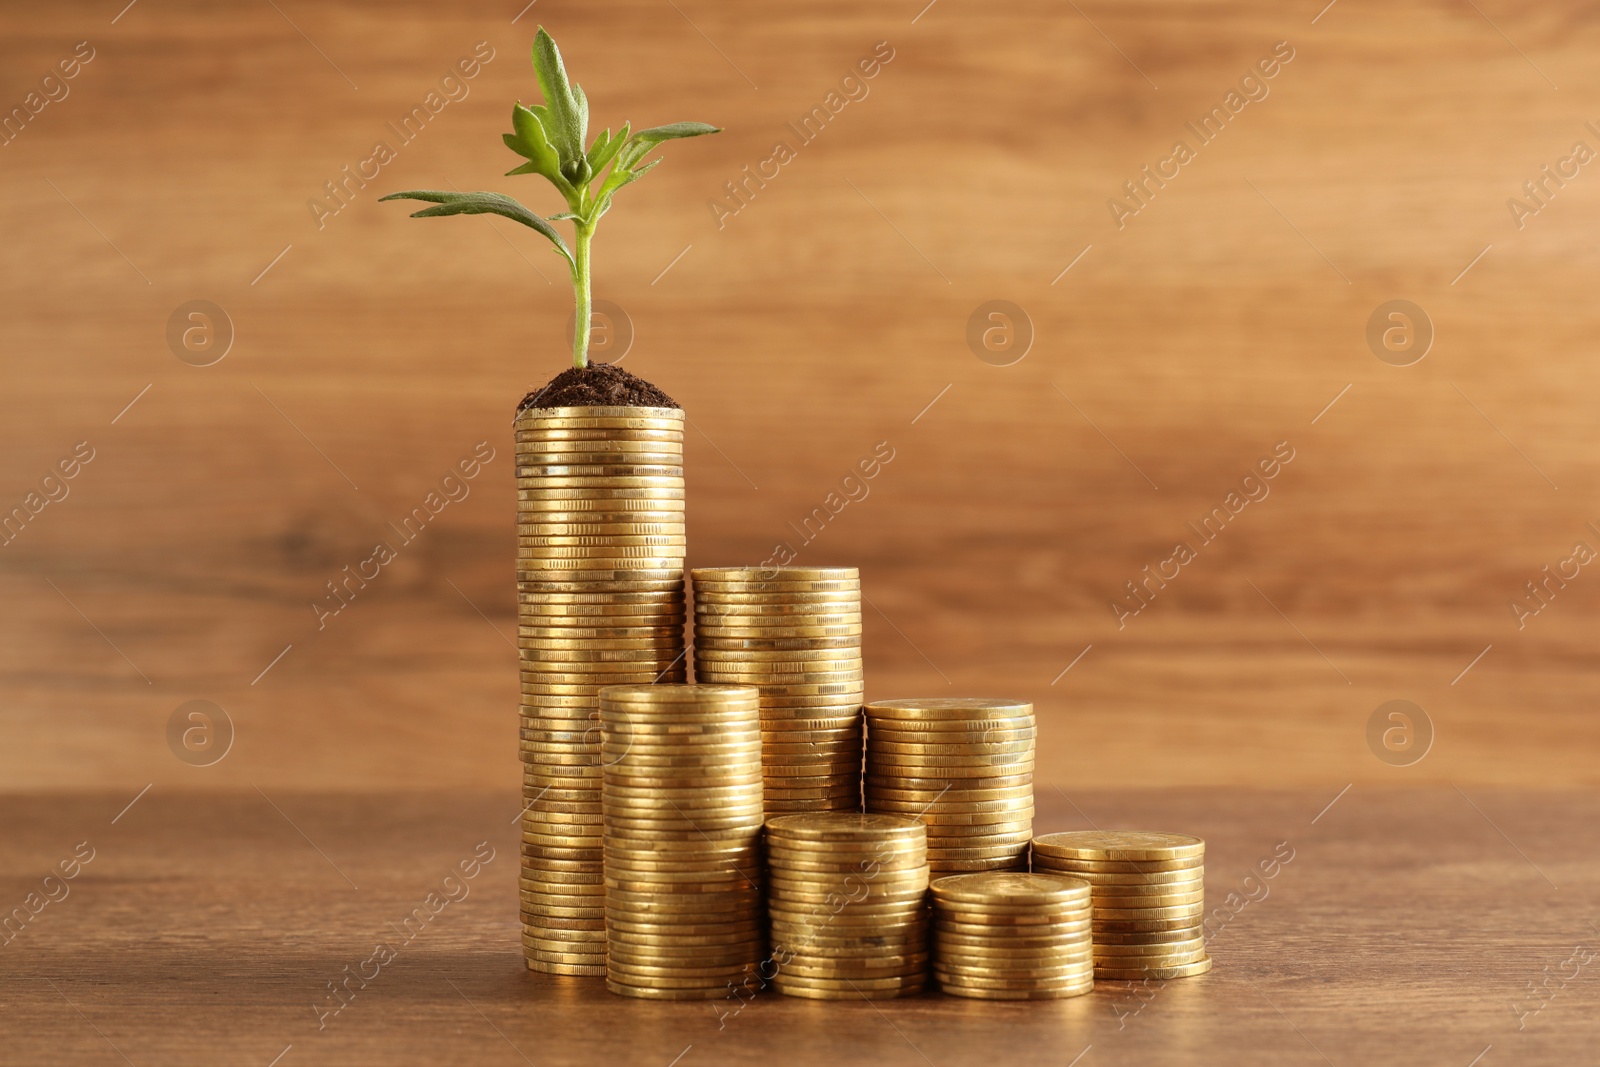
(597,385)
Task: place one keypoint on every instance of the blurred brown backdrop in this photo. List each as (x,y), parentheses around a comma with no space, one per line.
(826,315)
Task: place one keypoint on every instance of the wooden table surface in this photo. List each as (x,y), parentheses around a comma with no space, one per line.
(1407,927)
(1173,350)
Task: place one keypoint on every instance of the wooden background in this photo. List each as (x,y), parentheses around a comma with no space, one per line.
(373,353)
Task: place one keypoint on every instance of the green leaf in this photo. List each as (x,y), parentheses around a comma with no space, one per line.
(641,143)
(568,110)
(673,130)
(619,177)
(606,147)
(481,203)
(532,143)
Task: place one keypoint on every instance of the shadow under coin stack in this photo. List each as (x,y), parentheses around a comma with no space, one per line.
(683,817)
(962,765)
(1149,898)
(1012,936)
(600,601)
(795,632)
(846,897)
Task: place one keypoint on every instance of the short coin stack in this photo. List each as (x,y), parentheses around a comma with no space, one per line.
(965,767)
(846,897)
(683,819)
(1149,900)
(600,601)
(796,633)
(1012,936)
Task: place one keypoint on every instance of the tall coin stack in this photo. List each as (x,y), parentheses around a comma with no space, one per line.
(600,601)
(683,816)
(795,632)
(1149,898)
(846,897)
(964,765)
(1012,936)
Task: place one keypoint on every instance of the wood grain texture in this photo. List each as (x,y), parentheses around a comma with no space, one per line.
(823,317)
(207,926)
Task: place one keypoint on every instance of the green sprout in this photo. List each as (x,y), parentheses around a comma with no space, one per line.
(551,137)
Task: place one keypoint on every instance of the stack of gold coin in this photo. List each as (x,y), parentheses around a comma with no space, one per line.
(795,632)
(600,542)
(1149,898)
(683,816)
(1012,936)
(964,765)
(846,897)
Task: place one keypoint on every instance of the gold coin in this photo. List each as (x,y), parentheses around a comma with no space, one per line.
(1120,845)
(780,659)
(811,624)
(854,970)
(1012,829)
(846,992)
(1134,974)
(1150,938)
(767,574)
(735,947)
(949,708)
(550,431)
(681,971)
(626,579)
(780,734)
(629,650)
(997,977)
(777,608)
(567,969)
(801,943)
(629,602)
(715,985)
(780,711)
(563,940)
(566,959)
(961,986)
(1020,947)
(623,628)
(1177,911)
(529,442)
(759,675)
(1004,889)
(1017,813)
(552,456)
(793,983)
(715,933)
(954,731)
(1057,993)
(856,829)
(787,640)
(545,416)
(1121,881)
(1134,953)
(889,856)
(951,795)
(971,764)
(872,886)
(709,992)
(930,745)
(629,867)
(673,942)
(695,695)
(1144,896)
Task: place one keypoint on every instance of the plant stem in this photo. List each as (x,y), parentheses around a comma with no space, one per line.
(580,286)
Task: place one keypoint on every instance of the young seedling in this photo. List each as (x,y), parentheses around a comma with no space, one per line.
(551,138)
